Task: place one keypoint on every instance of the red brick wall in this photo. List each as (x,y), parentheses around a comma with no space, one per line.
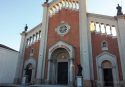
(72,18)
(112,48)
(35,46)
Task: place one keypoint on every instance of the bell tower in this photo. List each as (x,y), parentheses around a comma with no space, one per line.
(84,43)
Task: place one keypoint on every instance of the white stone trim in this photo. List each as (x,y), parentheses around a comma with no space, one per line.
(61,44)
(112,59)
(93,15)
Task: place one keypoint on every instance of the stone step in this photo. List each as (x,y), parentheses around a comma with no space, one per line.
(44,86)
(12,85)
(48,86)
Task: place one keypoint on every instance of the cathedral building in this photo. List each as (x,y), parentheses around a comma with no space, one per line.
(68,36)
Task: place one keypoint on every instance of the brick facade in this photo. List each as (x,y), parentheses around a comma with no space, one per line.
(72,38)
(112,48)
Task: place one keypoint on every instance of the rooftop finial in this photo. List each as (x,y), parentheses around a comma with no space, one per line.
(26,27)
(119,10)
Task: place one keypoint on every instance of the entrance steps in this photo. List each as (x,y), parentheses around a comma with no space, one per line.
(48,86)
(13,85)
(45,86)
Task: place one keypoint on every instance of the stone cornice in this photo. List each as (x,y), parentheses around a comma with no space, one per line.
(100,16)
(34,28)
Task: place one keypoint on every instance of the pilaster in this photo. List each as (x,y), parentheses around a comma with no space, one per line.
(84,41)
(121,41)
(43,43)
(18,76)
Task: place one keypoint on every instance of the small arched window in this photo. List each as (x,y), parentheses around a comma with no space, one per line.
(97,25)
(102,28)
(113,29)
(92,26)
(108,29)
(104,45)
(27,44)
(31,52)
(39,34)
(33,38)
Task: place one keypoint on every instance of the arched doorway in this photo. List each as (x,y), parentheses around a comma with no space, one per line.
(107,70)
(107,73)
(28,73)
(59,66)
(60,62)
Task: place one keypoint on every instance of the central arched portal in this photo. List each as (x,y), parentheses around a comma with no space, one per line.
(59,66)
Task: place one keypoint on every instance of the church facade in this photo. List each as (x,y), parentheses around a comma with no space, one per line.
(67,37)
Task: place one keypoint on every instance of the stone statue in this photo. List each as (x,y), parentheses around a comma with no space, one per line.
(79,70)
(46,1)
(26,27)
(119,10)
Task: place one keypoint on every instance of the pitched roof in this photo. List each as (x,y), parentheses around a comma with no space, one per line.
(3,46)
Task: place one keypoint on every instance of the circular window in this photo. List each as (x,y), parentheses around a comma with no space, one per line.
(62,29)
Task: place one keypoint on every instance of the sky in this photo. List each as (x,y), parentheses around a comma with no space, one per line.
(14,14)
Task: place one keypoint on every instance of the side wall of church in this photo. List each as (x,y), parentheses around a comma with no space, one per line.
(96,40)
(35,46)
(104,29)
(32,46)
(72,37)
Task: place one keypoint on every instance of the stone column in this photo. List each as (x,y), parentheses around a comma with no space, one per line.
(71,72)
(43,43)
(49,70)
(84,43)
(52,74)
(18,76)
(121,41)
(100,76)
